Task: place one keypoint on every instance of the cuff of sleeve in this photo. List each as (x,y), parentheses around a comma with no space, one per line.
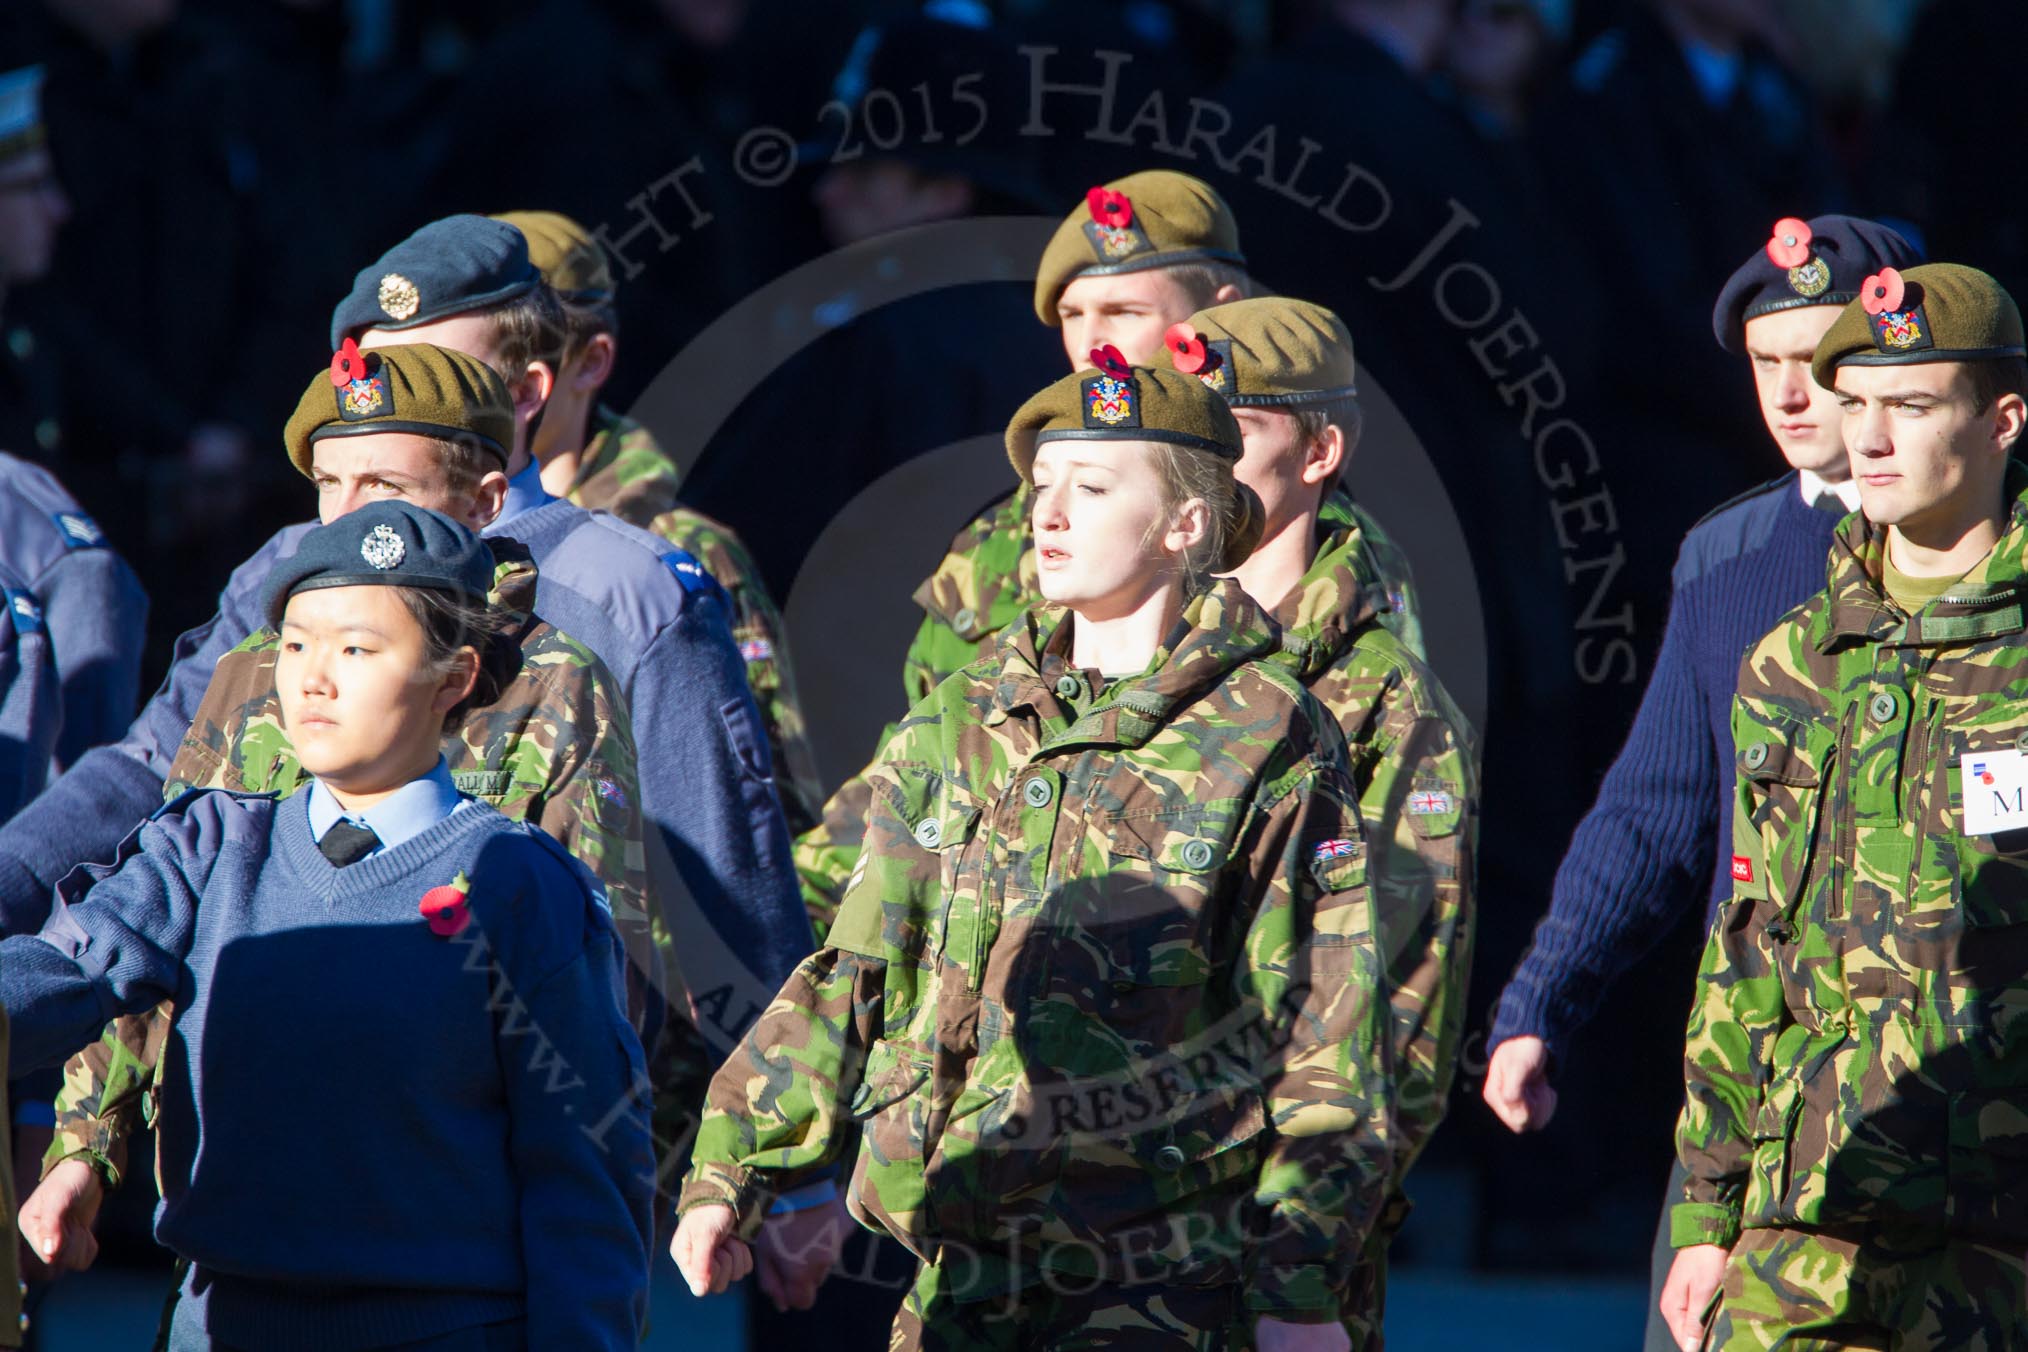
(1526,1010)
(1693,1223)
(1295,1295)
(715,1184)
(102,1164)
(821,1193)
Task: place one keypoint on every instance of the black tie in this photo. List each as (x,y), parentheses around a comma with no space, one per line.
(348,843)
(1831,505)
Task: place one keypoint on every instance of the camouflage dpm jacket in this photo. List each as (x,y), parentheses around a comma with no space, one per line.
(626,473)
(1414,766)
(555,750)
(1858,1053)
(983,583)
(1104,997)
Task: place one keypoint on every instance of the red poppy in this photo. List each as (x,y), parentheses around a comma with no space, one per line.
(1110,208)
(348,364)
(445,909)
(1109,360)
(1186,350)
(1790,246)
(1883,292)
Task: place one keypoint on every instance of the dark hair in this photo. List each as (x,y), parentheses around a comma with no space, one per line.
(522,329)
(1202,277)
(1993,378)
(451,622)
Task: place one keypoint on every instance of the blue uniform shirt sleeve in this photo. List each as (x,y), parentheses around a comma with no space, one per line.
(87,812)
(97,615)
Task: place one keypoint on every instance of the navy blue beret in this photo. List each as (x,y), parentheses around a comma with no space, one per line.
(384,544)
(449,266)
(1823,263)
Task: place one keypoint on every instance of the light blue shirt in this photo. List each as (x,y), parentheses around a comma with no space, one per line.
(409,811)
(524,494)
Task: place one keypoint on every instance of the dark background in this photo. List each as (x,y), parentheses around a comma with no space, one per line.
(229,164)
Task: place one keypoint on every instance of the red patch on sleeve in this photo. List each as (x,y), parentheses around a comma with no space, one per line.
(1742,869)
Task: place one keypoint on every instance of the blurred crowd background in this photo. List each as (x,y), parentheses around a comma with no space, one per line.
(1595,168)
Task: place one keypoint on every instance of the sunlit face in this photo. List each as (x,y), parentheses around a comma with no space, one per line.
(1274,464)
(352,471)
(362,709)
(32,210)
(1130,310)
(1104,539)
(1801,415)
(1920,451)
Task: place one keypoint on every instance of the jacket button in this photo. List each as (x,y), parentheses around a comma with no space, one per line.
(963,619)
(1038,793)
(928,833)
(1756,756)
(1882,707)
(1066,686)
(1170,1157)
(1197,854)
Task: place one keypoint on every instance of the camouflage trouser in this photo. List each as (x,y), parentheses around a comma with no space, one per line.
(1808,1291)
(1147,1318)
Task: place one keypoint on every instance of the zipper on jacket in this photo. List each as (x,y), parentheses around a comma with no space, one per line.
(1843,831)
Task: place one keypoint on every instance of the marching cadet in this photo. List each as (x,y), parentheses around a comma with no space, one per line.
(549,743)
(601,460)
(1852,1129)
(1142,253)
(383,919)
(1286,369)
(1102,1002)
(1660,825)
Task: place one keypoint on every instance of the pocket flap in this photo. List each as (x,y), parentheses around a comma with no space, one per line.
(1197,838)
(892,1073)
(1778,755)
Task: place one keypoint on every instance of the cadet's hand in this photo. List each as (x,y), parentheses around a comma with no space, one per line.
(56,1220)
(795,1253)
(1517,1084)
(706,1251)
(1693,1280)
(1274,1335)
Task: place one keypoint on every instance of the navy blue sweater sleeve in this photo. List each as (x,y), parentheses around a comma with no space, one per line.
(119,935)
(84,816)
(577,1095)
(1644,848)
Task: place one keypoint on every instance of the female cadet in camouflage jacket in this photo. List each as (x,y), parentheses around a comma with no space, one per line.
(1103,998)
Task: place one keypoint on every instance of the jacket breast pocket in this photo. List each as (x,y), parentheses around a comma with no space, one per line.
(1155,917)
(1785,776)
(1992,872)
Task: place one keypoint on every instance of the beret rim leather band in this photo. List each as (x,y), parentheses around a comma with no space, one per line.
(423,429)
(1185,439)
(420,582)
(1928,356)
(1296,399)
(1768,307)
(1161,258)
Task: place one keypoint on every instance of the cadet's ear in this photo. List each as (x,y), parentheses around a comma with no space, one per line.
(1226,294)
(461,673)
(588,371)
(531,392)
(2010,415)
(488,500)
(1324,456)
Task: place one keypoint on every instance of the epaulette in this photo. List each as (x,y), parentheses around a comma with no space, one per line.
(694,577)
(78,531)
(183,800)
(1759,490)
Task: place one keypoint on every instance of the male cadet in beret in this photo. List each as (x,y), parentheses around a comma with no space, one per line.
(1286,368)
(603,461)
(1139,254)
(554,747)
(1856,1065)
(1659,833)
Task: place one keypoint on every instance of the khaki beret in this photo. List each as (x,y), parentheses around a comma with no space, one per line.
(1141,404)
(1267,353)
(1153,219)
(1939,312)
(418,388)
(565,253)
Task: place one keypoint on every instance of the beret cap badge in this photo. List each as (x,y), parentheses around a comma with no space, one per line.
(1110,397)
(1899,324)
(361,394)
(383,548)
(1808,275)
(398,296)
(1111,230)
